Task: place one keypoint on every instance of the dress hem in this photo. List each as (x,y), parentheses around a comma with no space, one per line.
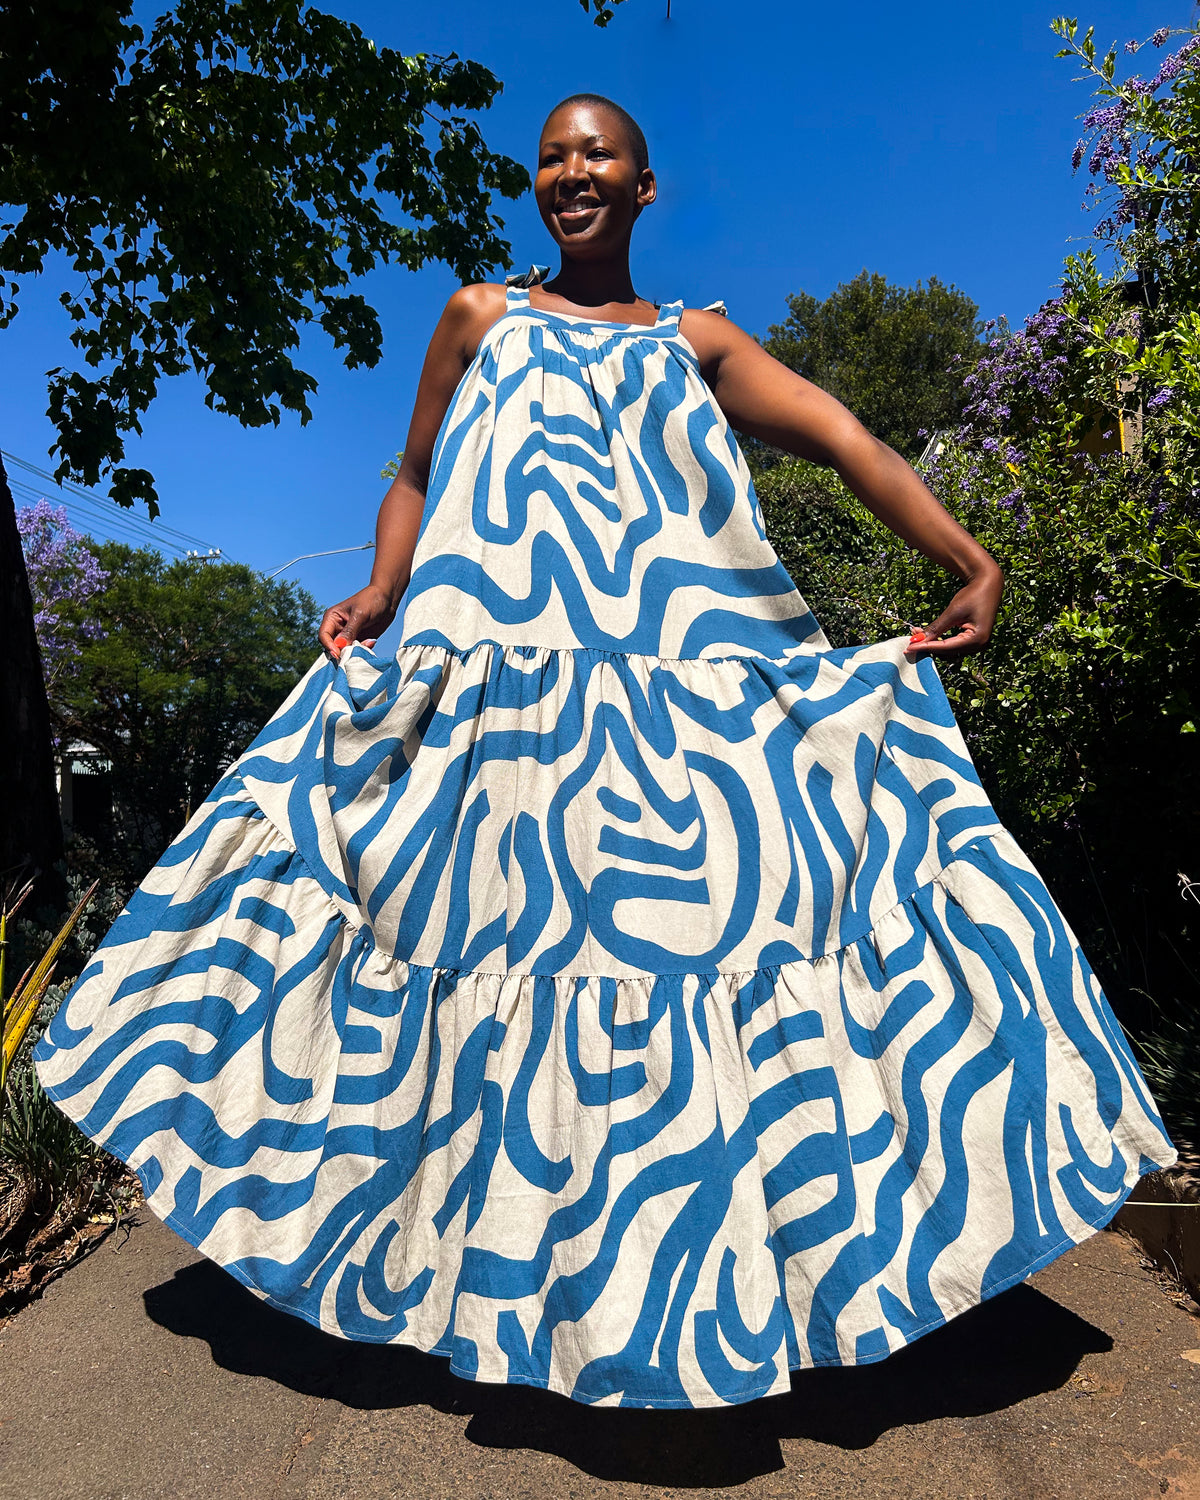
(1089,1227)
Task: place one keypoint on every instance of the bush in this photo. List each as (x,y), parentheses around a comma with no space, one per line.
(59,1192)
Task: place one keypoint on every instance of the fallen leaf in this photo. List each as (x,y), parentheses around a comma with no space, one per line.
(1191,1354)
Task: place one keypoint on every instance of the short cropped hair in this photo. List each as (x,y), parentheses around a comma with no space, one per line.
(641,152)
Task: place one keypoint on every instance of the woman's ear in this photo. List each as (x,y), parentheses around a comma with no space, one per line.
(647,188)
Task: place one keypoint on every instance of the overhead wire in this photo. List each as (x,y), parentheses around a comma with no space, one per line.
(105,528)
(104,504)
(96,509)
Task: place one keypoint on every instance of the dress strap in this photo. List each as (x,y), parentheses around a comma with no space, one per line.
(516,285)
(668,317)
(528,278)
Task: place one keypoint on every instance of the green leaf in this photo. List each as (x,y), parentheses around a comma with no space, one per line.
(214,211)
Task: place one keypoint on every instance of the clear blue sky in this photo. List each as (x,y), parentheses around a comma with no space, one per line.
(794,145)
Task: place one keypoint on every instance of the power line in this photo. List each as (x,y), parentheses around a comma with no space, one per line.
(107,522)
(108,528)
(111,517)
(105,505)
(114,518)
(113,527)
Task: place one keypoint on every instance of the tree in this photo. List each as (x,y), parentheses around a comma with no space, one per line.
(64,576)
(884,351)
(59,573)
(193,660)
(217,185)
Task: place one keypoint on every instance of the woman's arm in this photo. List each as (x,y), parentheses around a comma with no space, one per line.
(368,613)
(764,398)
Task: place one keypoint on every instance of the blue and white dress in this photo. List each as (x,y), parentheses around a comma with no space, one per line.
(619,990)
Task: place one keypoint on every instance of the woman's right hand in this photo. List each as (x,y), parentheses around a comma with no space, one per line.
(362,617)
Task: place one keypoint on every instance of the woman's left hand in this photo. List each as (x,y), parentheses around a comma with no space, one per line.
(971,613)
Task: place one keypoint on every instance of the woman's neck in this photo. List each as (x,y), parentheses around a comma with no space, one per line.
(593,283)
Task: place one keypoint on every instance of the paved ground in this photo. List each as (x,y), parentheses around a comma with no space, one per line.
(146,1372)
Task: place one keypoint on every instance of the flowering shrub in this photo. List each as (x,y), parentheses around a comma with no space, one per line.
(1077,464)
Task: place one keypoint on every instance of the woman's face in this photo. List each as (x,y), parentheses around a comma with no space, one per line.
(588,187)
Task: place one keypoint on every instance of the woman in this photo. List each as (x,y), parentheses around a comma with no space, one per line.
(619,990)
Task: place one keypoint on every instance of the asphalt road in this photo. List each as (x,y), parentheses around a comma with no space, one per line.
(146,1373)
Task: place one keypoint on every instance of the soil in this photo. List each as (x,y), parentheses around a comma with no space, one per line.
(39,1241)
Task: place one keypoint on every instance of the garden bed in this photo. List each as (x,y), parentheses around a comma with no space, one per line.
(40,1240)
(1163,1215)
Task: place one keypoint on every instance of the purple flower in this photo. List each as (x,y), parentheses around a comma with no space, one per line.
(1132,45)
(62,570)
(1160,399)
(1171,65)
(1160,36)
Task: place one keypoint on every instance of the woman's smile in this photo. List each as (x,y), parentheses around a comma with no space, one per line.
(578,210)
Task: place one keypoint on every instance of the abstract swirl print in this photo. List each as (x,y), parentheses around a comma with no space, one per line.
(618,990)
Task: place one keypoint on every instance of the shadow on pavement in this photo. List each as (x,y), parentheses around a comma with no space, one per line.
(1018,1345)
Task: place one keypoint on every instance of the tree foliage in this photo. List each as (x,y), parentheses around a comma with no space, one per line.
(885,352)
(193,661)
(601,11)
(217,182)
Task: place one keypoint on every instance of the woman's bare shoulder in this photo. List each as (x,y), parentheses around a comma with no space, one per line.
(712,334)
(480,299)
(469,314)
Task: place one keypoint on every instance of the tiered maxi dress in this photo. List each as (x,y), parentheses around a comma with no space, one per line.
(618,990)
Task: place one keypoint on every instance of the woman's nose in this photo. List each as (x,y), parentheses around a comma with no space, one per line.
(574,167)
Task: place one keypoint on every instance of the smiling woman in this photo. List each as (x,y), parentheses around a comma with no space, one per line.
(592,182)
(618,990)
